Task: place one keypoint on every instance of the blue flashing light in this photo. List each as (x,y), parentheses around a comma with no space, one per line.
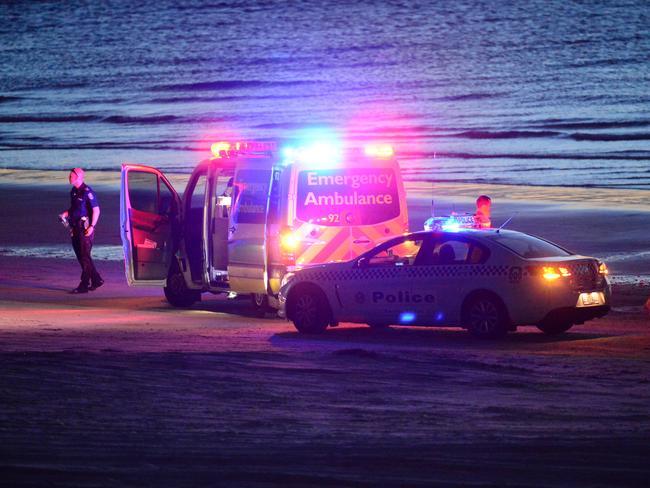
(406,317)
(440,317)
(451,225)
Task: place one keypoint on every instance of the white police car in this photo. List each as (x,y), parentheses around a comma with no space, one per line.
(488,281)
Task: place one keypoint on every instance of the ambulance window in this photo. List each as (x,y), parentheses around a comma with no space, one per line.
(274,197)
(251,189)
(402,253)
(347,196)
(166,204)
(198,193)
(143,191)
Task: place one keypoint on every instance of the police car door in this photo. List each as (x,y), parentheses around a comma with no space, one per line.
(149,220)
(379,290)
(438,275)
(247,236)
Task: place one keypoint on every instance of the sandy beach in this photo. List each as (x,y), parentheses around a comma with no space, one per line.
(117,388)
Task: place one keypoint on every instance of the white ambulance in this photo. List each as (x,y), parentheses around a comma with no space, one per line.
(253,212)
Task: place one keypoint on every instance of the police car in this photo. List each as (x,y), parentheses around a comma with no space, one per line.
(488,281)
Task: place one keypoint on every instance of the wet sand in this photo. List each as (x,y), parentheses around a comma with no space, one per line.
(117,388)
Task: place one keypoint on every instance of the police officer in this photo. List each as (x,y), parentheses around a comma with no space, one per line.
(82,216)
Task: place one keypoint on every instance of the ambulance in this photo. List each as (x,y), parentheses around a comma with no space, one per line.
(255,211)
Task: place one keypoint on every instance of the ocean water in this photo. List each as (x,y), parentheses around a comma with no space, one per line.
(535,92)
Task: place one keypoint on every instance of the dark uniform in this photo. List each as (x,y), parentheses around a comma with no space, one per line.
(82,202)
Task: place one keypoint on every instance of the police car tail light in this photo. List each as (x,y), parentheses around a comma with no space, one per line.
(379,151)
(552,273)
(602,269)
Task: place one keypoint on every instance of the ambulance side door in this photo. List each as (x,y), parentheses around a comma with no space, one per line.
(149,224)
(247,246)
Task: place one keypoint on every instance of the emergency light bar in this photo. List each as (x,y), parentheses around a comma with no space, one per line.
(379,151)
(223,149)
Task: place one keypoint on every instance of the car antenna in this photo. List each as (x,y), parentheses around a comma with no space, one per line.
(507,221)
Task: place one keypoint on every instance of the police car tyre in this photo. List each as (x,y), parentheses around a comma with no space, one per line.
(308,309)
(485,316)
(554,328)
(176,292)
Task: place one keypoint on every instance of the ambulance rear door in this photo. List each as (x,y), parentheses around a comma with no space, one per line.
(247,235)
(343,210)
(149,224)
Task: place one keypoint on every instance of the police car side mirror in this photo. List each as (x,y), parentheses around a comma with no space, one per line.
(363,263)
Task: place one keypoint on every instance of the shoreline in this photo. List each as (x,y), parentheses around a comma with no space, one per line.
(616,233)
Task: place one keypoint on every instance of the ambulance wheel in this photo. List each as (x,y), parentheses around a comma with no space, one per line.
(176,292)
(260,304)
(554,328)
(485,317)
(308,310)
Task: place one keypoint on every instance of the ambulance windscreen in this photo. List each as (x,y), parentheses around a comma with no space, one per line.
(354,196)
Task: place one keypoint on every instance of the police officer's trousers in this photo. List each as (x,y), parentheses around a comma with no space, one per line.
(82,246)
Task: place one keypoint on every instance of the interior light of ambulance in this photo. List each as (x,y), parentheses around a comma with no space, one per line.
(602,269)
(379,150)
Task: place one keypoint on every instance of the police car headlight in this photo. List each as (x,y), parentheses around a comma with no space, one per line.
(286,279)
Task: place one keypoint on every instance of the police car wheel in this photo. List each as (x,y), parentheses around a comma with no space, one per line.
(485,318)
(308,312)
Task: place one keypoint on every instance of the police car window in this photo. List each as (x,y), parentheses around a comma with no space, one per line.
(445,252)
(143,191)
(528,246)
(402,253)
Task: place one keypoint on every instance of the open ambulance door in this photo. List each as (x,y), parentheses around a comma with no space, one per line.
(247,235)
(149,224)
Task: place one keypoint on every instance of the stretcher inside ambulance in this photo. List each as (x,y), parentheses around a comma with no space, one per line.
(251,213)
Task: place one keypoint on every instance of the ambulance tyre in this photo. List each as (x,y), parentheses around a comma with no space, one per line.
(176,292)
(308,309)
(260,304)
(485,316)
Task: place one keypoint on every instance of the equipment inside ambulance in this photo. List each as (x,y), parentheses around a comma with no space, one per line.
(251,213)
